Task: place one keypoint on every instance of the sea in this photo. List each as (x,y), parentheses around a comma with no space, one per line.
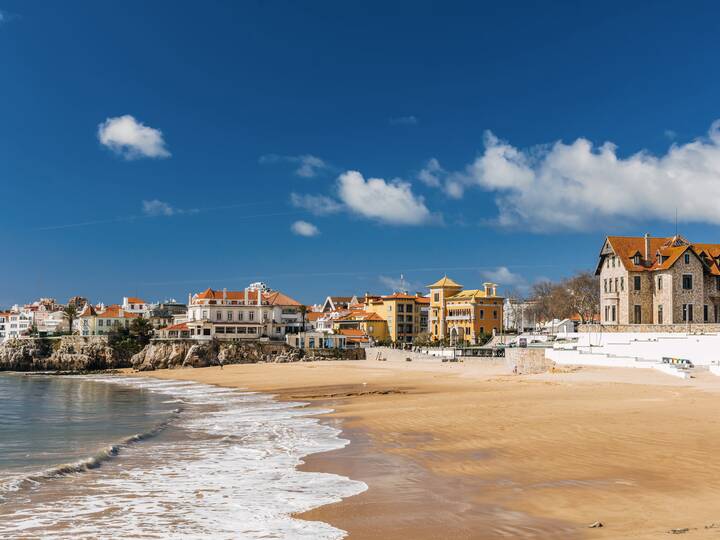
(125,457)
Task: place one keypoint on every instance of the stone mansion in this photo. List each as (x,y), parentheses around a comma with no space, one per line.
(645,280)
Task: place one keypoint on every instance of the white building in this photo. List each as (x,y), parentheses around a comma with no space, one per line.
(16,324)
(254,313)
(132,304)
(519,316)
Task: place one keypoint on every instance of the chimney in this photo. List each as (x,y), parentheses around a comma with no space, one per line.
(224,294)
(259,293)
(647,247)
(245,298)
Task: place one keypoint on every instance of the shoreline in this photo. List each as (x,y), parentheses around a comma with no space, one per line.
(464,452)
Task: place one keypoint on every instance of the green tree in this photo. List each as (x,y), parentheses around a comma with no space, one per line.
(70,313)
(303,312)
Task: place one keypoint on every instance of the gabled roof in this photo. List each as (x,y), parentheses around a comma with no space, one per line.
(135,300)
(469,294)
(444,282)
(88,311)
(272,298)
(664,253)
(179,326)
(116,312)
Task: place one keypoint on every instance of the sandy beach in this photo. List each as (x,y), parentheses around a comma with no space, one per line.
(463,451)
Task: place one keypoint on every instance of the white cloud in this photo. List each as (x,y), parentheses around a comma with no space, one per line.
(303,228)
(309,166)
(578,186)
(2,17)
(132,139)
(400,284)
(503,276)
(158,208)
(404,121)
(389,202)
(319,205)
(670,134)
(432,174)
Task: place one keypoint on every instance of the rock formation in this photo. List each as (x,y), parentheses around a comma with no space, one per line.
(69,353)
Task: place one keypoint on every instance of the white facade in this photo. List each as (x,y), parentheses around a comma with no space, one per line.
(519,316)
(136,305)
(253,313)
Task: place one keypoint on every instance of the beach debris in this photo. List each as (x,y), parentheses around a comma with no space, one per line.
(679,531)
(408,359)
(596,525)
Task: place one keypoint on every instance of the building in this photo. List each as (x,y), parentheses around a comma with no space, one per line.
(403,314)
(135,305)
(519,316)
(336,303)
(315,341)
(175,331)
(669,280)
(254,313)
(464,315)
(368,324)
(166,313)
(101,321)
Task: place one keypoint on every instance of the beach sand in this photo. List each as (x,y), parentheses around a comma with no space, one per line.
(463,451)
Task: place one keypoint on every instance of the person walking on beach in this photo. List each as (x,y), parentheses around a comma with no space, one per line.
(220,362)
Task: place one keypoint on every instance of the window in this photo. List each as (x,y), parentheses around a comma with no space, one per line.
(482,313)
(240,316)
(622,283)
(659,283)
(607,313)
(687,312)
(660,314)
(251,316)
(605,285)
(616,284)
(278,330)
(638,314)
(220,330)
(612,311)
(229,316)
(218,316)
(436,297)
(687,258)
(687,282)
(494,314)
(204,314)
(636,282)
(706,313)
(637,259)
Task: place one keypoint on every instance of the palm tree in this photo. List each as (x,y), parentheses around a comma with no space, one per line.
(303,312)
(71,313)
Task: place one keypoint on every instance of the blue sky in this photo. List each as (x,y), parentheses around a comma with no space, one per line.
(157,148)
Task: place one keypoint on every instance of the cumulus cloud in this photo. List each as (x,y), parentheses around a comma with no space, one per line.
(303,228)
(432,174)
(578,186)
(319,205)
(399,284)
(404,121)
(131,139)
(157,208)
(388,202)
(503,276)
(308,166)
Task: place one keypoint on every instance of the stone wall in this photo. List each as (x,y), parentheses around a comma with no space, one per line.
(527,360)
(652,328)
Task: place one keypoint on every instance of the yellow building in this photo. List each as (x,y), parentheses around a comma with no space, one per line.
(371,324)
(403,313)
(464,315)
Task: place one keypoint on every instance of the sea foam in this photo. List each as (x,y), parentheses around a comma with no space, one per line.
(230,472)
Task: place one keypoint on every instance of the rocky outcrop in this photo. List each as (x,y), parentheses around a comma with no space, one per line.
(186,353)
(68,353)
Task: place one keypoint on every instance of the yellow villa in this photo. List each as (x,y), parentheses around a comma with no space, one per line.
(463,315)
(403,313)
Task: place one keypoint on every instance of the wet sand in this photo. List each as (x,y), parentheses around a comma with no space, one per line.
(463,451)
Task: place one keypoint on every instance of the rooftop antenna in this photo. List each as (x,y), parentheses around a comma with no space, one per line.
(676,223)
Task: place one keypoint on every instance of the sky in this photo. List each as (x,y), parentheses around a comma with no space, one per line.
(326,148)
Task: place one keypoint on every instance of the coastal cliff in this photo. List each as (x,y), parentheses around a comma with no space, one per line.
(68,353)
(184,353)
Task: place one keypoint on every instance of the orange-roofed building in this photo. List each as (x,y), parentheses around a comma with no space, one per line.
(464,315)
(405,314)
(133,304)
(98,322)
(366,323)
(253,313)
(667,280)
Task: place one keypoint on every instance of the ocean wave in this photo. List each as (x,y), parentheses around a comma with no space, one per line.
(86,464)
(228,470)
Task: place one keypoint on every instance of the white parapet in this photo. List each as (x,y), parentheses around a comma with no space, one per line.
(672,370)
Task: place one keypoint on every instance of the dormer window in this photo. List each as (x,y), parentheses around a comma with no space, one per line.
(687,258)
(636,259)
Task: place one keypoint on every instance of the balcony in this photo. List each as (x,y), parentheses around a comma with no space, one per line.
(459,318)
